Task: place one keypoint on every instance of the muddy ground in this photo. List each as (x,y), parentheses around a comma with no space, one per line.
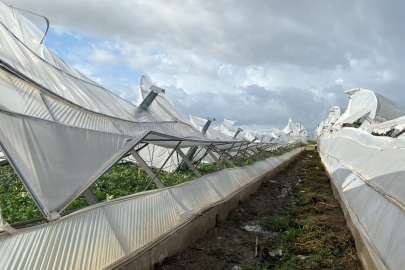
(278,227)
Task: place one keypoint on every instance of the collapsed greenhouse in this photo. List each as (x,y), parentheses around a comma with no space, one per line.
(60,132)
(361,148)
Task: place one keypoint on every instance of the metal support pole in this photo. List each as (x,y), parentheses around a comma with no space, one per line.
(229,152)
(151,96)
(167,159)
(207,125)
(232,158)
(33,13)
(145,166)
(90,196)
(199,161)
(237,154)
(264,153)
(214,158)
(188,162)
(142,147)
(222,154)
(255,153)
(164,163)
(246,155)
(190,155)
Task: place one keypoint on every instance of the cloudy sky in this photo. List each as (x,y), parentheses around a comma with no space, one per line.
(257,62)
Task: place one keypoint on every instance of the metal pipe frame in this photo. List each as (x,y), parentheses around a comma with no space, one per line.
(188,162)
(90,196)
(33,13)
(223,156)
(199,161)
(167,159)
(214,158)
(146,168)
(164,163)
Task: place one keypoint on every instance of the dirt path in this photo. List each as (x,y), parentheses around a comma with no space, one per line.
(292,222)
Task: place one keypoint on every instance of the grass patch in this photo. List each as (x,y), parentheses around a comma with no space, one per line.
(317,236)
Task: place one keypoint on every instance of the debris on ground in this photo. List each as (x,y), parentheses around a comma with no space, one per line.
(252,228)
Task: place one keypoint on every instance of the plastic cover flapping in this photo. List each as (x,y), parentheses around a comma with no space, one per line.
(355,115)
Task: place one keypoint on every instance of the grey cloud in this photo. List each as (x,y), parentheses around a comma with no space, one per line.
(309,33)
(298,48)
(255,105)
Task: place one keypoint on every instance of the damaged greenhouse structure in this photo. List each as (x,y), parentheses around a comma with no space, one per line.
(60,131)
(361,148)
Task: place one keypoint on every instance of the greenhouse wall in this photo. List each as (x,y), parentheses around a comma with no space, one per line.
(367,175)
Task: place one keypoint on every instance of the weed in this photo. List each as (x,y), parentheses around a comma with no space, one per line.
(289,235)
(277,223)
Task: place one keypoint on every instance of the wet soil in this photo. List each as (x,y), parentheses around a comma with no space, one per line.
(243,239)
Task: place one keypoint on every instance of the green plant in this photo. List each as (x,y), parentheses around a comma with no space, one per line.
(290,235)
(277,223)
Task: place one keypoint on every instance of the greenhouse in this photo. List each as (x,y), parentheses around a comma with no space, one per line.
(91,180)
(360,147)
(61,133)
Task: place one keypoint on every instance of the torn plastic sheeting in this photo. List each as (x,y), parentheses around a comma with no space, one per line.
(353,116)
(384,127)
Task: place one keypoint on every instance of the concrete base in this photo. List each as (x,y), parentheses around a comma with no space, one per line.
(196,227)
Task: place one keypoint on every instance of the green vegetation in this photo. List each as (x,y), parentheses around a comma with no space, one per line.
(277,223)
(16,203)
(121,180)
